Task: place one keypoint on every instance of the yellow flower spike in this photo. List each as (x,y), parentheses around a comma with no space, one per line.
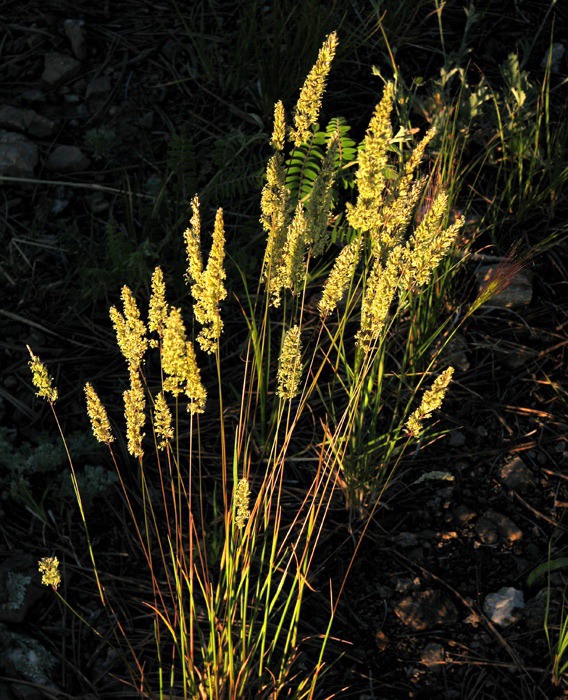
(318,207)
(290,365)
(41,379)
(209,290)
(194,389)
(130,330)
(158,310)
(180,365)
(242,501)
(372,160)
(274,205)
(428,245)
(134,405)
(339,277)
(192,237)
(309,103)
(431,401)
(98,416)
(49,568)
(279,133)
(292,269)
(379,293)
(162,421)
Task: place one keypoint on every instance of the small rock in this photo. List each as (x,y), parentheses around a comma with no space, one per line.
(433,655)
(457,438)
(463,514)
(516,291)
(33,96)
(503,607)
(535,610)
(67,159)
(18,156)
(75,32)
(98,87)
(507,529)
(406,539)
(402,585)
(59,68)
(25,120)
(486,530)
(516,475)
(426,610)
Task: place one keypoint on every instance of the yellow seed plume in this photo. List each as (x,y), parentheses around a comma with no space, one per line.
(209,290)
(173,352)
(130,330)
(192,237)
(242,501)
(162,421)
(274,204)
(279,133)
(413,162)
(290,365)
(318,206)
(158,310)
(394,219)
(41,379)
(309,103)
(428,245)
(339,277)
(431,401)
(180,365)
(292,270)
(98,416)
(49,568)
(134,405)
(371,178)
(379,293)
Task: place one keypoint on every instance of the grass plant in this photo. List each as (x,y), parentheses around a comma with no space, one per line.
(230,513)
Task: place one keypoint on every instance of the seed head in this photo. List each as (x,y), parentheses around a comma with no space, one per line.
(158,311)
(309,103)
(431,401)
(49,568)
(97,413)
(134,405)
(41,379)
(290,365)
(242,500)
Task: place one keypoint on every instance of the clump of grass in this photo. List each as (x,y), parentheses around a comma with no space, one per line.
(230,551)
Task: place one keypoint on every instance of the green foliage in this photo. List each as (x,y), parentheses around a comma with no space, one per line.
(35,473)
(101,141)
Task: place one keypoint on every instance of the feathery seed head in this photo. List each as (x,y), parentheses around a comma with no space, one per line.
(379,293)
(309,103)
(318,206)
(431,401)
(290,365)
(210,290)
(98,416)
(49,568)
(180,364)
(371,178)
(279,133)
(134,405)
(192,237)
(158,311)
(162,421)
(291,272)
(130,330)
(242,501)
(339,277)
(41,379)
